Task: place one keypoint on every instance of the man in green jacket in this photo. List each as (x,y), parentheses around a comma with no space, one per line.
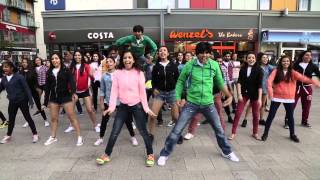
(199,76)
(138,42)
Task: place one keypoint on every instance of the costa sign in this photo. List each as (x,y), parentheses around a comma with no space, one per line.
(100,35)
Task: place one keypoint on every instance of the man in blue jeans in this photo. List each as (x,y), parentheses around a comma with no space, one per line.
(200,76)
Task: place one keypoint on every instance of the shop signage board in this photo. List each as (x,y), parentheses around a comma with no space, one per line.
(206,34)
(55,4)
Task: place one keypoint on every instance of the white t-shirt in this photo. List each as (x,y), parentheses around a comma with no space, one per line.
(303,65)
(249,71)
(38,68)
(78,66)
(9,77)
(55,71)
(164,63)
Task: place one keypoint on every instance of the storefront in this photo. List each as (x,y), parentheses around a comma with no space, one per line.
(222,40)
(16,42)
(181,29)
(294,42)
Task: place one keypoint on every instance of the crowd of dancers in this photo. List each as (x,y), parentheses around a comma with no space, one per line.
(194,86)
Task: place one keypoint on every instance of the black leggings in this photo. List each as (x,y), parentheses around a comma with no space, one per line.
(36,99)
(12,111)
(105,120)
(95,86)
(272,112)
(2,117)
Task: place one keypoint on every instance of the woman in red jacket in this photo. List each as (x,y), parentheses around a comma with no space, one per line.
(281,89)
(82,73)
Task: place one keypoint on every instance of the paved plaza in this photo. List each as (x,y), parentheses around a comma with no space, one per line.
(199,158)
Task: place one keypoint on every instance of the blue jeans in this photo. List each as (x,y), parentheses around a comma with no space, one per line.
(188,111)
(167,96)
(141,60)
(140,117)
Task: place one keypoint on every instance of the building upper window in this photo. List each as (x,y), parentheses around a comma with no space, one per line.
(161,4)
(264,4)
(4,2)
(304,5)
(6,15)
(224,4)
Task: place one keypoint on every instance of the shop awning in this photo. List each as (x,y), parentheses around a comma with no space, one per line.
(291,36)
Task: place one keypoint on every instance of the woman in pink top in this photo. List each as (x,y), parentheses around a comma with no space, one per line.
(281,89)
(128,85)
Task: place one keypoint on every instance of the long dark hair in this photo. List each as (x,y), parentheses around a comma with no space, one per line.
(169,56)
(61,63)
(280,74)
(30,66)
(99,57)
(259,57)
(135,64)
(34,61)
(74,63)
(10,64)
(245,64)
(300,58)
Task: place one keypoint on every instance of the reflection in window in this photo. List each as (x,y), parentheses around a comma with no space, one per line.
(224,4)
(264,4)
(304,5)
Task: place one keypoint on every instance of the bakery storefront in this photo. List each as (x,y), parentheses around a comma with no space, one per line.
(223,40)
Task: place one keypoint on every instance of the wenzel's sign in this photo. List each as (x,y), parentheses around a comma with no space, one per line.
(100,35)
(212,34)
(202,34)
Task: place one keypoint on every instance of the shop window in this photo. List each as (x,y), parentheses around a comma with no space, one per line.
(304,5)
(264,4)
(161,4)
(224,4)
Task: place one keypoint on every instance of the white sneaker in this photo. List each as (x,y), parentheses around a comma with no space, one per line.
(79,141)
(69,129)
(134,126)
(35,138)
(188,136)
(5,139)
(98,142)
(97,128)
(134,141)
(25,125)
(98,124)
(232,156)
(171,123)
(50,141)
(46,124)
(162,160)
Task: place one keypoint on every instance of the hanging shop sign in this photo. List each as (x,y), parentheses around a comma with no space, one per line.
(212,34)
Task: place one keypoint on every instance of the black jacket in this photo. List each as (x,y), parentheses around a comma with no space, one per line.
(63,86)
(17,89)
(165,78)
(310,69)
(31,77)
(251,84)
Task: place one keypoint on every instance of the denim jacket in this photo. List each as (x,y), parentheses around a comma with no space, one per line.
(105,86)
(266,73)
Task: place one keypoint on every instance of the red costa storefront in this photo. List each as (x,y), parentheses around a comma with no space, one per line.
(233,40)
